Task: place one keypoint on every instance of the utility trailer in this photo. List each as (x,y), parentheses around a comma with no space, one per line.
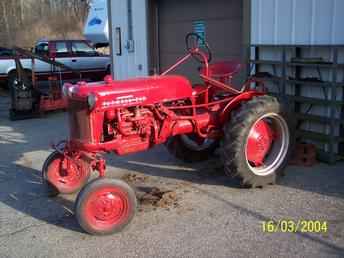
(29,98)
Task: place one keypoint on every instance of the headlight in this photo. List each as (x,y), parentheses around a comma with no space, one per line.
(91,101)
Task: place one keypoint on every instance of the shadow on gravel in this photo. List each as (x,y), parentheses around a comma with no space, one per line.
(29,197)
(211,173)
(20,186)
(207,172)
(25,193)
(332,249)
(322,179)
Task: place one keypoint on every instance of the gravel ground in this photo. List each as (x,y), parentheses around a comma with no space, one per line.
(210,217)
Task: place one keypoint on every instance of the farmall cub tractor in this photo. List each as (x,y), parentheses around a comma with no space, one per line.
(192,121)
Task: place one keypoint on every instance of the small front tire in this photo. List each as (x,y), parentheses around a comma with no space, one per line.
(105,206)
(61,180)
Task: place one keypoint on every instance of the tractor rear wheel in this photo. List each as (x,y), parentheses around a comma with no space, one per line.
(105,206)
(60,177)
(257,142)
(190,148)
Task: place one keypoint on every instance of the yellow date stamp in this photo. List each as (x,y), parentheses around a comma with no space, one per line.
(295,226)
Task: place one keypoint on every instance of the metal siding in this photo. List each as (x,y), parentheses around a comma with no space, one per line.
(338,21)
(283,23)
(268,21)
(255,21)
(297,22)
(303,21)
(323,22)
(308,22)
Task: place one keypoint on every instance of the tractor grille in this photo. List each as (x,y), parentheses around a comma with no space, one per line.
(79,121)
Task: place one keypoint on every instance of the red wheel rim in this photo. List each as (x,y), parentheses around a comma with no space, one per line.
(106,208)
(267,144)
(65,177)
(259,142)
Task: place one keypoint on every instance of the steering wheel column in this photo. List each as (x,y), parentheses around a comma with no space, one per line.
(197,48)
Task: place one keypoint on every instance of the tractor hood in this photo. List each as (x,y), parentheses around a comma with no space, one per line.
(138,91)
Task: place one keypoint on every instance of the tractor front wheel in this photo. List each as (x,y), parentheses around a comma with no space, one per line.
(105,206)
(257,142)
(64,176)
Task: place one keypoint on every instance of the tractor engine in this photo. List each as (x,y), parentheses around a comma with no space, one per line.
(133,127)
(125,116)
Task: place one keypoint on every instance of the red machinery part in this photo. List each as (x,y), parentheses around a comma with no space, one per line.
(223,70)
(259,142)
(134,115)
(138,91)
(48,104)
(65,175)
(106,207)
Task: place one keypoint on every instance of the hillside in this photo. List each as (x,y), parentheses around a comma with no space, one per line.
(25,21)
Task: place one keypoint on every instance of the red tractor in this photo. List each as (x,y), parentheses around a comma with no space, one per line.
(134,115)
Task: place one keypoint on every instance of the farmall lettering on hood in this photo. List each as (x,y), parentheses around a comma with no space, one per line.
(143,91)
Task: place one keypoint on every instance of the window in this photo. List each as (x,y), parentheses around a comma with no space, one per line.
(6,52)
(82,48)
(61,48)
(42,49)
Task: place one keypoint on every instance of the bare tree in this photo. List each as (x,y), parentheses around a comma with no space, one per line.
(25,21)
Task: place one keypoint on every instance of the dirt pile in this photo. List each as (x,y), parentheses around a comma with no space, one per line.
(158,198)
(134,178)
(152,197)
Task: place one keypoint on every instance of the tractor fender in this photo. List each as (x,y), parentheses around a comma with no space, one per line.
(236,101)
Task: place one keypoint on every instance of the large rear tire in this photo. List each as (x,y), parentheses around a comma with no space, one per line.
(257,142)
(105,206)
(191,148)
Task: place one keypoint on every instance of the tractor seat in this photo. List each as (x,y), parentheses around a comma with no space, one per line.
(223,70)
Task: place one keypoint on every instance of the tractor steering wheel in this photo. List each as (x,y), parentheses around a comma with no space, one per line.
(198,47)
